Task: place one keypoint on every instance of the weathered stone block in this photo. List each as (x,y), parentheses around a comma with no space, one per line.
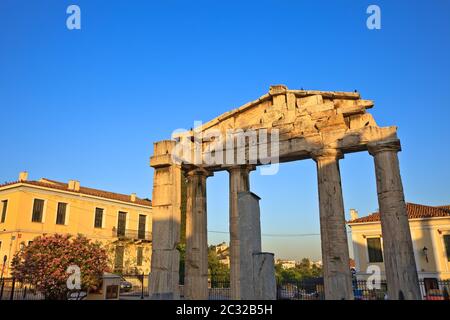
(335,122)
(264,276)
(291,101)
(279,101)
(323,114)
(309,101)
(320,107)
(249,240)
(361,120)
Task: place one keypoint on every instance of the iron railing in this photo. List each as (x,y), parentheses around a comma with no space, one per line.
(134,285)
(219,290)
(312,289)
(132,234)
(10,289)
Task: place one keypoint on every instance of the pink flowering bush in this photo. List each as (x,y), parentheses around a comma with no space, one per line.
(44,263)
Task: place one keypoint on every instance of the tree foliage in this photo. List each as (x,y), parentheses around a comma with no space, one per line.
(218,271)
(44,263)
(303,270)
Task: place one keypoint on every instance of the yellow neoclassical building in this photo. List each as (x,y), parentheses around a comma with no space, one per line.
(122,223)
(430,233)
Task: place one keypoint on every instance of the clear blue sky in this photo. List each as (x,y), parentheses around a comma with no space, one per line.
(88,104)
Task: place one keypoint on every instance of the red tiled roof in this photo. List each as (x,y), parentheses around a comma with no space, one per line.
(444,207)
(415,211)
(47,183)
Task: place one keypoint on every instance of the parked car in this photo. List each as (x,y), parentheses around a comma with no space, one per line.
(125,286)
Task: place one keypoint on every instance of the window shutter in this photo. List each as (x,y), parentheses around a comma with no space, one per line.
(61,213)
(375,251)
(4,208)
(447,245)
(38,209)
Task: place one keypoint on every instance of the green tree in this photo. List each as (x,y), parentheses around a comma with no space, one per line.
(303,270)
(44,264)
(218,271)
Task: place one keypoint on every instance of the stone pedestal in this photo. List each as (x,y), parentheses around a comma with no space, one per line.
(264,283)
(166,201)
(335,255)
(109,290)
(239,181)
(249,226)
(196,276)
(401,271)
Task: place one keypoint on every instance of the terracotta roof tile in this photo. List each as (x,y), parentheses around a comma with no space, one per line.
(415,211)
(444,207)
(47,183)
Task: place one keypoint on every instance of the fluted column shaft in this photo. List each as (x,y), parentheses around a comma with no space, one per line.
(401,271)
(335,253)
(196,276)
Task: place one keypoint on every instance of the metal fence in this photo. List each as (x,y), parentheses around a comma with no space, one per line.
(10,289)
(312,289)
(219,290)
(134,285)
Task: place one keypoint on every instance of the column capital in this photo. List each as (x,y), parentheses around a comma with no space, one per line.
(382,146)
(247,167)
(198,171)
(327,154)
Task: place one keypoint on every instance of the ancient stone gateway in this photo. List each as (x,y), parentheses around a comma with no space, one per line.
(282,125)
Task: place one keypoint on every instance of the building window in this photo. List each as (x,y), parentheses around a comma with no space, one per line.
(141,230)
(121,223)
(4,208)
(447,245)
(61,213)
(374,247)
(38,210)
(139,256)
(98,221)
(118,261)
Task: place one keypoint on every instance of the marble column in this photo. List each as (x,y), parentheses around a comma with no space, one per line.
(401,271)
(166,216)
(335,252)
(239,182)
(196,276)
